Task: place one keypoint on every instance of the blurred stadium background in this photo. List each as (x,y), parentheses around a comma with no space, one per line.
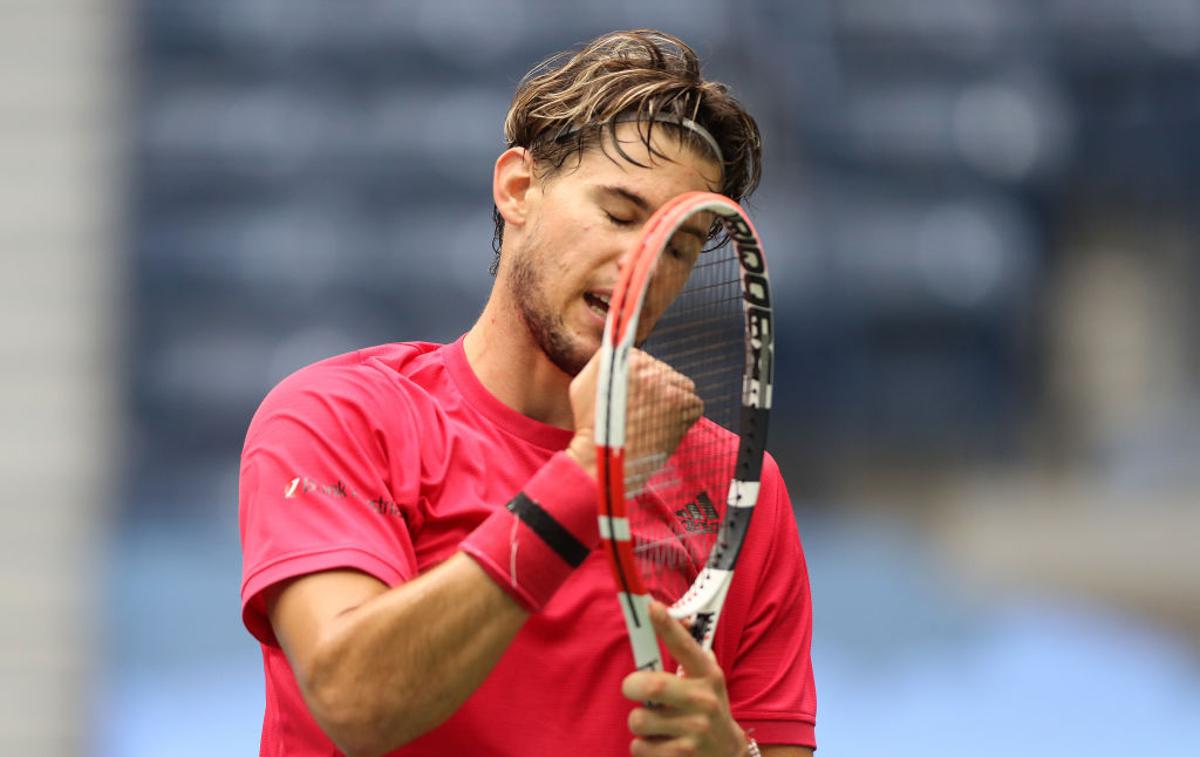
(983,223)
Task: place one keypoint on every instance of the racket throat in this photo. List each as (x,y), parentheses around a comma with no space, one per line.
(701,606)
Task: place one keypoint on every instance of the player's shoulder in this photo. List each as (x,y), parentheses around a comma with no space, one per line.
(361,381)
(770,468)
(774,489)
(368,369)
(705,436)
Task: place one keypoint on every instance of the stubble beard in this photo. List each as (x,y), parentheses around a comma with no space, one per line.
(547,328)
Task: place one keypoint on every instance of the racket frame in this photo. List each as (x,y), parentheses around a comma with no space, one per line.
(702,603)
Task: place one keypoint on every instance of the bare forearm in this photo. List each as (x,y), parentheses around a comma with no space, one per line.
(404,661)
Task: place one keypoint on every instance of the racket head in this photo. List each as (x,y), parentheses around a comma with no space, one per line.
(673,528)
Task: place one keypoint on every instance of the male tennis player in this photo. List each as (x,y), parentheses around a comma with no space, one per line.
(402,608)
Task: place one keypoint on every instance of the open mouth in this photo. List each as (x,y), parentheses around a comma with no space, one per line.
(598,303)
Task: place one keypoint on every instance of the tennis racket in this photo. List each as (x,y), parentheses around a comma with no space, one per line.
(673,521)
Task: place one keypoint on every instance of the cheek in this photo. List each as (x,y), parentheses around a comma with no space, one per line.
(578,232)
(572,250)
(671,278)
(668,282)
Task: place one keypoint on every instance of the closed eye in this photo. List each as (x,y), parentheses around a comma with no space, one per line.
(617,221)
(672,250)
(686,251)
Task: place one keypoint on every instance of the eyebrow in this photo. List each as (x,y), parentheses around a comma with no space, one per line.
(644,204)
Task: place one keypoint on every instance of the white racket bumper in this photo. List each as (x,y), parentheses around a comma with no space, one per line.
(710,587)
(615,528)
(743,493)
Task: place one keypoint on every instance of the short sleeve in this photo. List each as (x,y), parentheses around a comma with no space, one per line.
(771,682)
(323,485)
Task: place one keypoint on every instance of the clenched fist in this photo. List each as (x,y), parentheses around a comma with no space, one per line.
(662,405)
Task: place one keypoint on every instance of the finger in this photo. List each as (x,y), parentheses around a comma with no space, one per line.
(587,376)
(583,390)
(657,687)
(685,381)
(662,747)
(677,380)
(654,747)
(686,650)
(668,693)
(648,365)
(665,722)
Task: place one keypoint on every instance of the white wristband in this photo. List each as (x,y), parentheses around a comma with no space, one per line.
(752,748)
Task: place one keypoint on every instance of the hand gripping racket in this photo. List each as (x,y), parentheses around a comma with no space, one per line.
(673,521)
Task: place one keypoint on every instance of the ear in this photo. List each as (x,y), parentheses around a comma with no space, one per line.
(512,181)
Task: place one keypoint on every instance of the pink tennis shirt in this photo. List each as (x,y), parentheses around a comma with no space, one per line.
(384,459)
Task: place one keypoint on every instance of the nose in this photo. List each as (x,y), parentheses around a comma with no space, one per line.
(627,254)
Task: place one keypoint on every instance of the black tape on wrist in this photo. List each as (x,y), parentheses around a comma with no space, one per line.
(549,530)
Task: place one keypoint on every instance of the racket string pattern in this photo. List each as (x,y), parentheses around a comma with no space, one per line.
(673,524)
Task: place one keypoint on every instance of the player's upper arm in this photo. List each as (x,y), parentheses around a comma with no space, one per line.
(305,610)
(330,480)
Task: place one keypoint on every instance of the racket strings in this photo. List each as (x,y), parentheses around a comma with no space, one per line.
(675,511)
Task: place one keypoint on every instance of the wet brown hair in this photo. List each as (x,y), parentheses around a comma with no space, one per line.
(574,100)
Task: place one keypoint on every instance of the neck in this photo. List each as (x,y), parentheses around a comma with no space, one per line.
(511,365)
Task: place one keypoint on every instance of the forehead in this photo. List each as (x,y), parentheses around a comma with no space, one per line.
(667,158)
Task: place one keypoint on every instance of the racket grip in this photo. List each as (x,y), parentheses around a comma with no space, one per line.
(533,544)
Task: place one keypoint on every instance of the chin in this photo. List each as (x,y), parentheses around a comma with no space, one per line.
(572,359)
(567,347)
(565,351)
